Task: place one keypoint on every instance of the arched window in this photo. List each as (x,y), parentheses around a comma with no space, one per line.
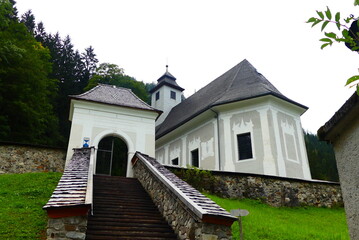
(111,157)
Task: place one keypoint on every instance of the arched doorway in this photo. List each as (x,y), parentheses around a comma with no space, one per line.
(111,157)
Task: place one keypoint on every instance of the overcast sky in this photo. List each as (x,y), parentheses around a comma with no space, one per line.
(202,39)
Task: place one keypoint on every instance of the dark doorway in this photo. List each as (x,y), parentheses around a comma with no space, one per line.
(111,157)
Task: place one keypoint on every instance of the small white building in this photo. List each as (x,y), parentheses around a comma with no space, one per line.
(239,122)
(117,123)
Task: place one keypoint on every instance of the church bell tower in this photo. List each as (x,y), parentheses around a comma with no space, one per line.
(165,95)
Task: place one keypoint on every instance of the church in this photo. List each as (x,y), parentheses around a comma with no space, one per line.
(239,122)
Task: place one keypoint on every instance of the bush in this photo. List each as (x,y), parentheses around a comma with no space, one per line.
(202,180)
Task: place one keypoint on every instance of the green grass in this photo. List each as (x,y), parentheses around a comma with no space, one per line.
(305,223)
(22,197)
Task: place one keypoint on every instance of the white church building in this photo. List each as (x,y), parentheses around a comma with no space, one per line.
(238,123)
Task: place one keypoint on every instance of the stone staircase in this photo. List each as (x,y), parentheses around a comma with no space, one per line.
(122,209)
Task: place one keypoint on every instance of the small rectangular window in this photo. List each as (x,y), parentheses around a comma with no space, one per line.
(175,161)
(244,146)
(157,95)
(173,95)
(195,158)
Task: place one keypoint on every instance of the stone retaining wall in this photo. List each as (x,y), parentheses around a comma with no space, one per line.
(185,223)
(275,191)
(19,158)
(68,228)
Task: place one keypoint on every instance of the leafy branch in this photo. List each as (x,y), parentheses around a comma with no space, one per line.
(347,35)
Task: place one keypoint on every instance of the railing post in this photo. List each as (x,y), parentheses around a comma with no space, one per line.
(89,189)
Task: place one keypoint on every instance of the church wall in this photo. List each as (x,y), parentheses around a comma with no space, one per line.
(96,121)
(243,122)
(201,138)
(289,136)
(165,103)
(273,143)
(175,150)
(275,131)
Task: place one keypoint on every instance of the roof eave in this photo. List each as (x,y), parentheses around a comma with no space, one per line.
(117,105)
(167,84)
(328,131)
(223,103)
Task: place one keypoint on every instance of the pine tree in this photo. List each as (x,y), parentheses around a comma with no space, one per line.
(321,158)
(26,114)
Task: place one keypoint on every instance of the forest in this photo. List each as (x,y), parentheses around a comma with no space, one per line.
(39,70)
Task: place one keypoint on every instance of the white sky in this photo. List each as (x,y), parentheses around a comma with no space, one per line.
(202,39)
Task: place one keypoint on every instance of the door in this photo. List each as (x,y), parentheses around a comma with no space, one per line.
(111,157)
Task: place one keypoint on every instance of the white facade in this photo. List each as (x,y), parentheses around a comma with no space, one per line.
(165,99)
(94,121)
(275,131)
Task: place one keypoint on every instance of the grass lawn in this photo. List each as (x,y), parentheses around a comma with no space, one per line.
(305,223)
(22,197)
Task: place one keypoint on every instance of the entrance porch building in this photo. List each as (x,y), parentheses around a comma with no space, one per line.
(117,123)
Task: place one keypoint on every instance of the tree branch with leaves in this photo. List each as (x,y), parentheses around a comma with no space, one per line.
(347,35)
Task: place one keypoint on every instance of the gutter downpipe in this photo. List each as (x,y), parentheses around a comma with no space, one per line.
(219,140)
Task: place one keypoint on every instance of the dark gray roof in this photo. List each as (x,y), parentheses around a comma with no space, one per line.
(113,95)
(166,79)
(346,114)
(239,83)
(71,189)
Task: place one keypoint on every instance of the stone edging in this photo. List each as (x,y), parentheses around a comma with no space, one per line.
(273,190)
(186,223)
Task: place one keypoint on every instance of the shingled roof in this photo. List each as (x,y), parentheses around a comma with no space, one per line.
(71,189)
(346,114)
(166,79)
(242,82)
(109,94)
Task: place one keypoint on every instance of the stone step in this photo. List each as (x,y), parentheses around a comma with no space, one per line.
(123,210)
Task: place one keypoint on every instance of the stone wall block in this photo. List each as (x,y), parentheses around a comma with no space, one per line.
(276,191)
(25,158)
(67,228)
(76,235)
(187,226)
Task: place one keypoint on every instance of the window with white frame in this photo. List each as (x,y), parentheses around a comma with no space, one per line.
(243,138)
(244,142)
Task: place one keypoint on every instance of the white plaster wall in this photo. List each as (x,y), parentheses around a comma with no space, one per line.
(347,155)
(291,145)
(265,120)
(165,103)
(197,137)
(239,121)
(96,121)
